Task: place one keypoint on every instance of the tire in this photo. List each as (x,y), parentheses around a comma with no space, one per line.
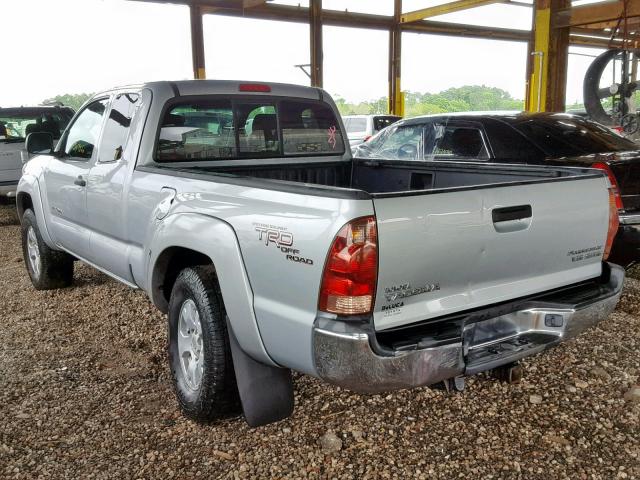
(199,352)
(48,269)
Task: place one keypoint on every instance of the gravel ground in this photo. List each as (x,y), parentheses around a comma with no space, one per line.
(85,393)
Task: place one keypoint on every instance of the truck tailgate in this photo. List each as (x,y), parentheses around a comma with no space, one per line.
(446,251)
(11,161)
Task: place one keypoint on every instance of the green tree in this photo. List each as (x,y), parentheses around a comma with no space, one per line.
(73,100)
(460,99)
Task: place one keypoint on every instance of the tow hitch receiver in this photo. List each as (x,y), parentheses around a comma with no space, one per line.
(510,373)
(500,342)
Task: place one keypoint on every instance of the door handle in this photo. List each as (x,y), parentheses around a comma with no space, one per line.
(507,214)
(81,182)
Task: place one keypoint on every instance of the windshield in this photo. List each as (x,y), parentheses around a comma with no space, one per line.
(564,137)
(16,125)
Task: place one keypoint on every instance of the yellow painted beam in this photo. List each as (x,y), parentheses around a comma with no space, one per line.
(449,7)
(549,57)
(538,82)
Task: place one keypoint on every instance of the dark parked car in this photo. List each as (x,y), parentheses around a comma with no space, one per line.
(539,139)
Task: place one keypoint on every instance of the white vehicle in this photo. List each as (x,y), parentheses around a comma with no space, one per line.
(15,125)
(361,128)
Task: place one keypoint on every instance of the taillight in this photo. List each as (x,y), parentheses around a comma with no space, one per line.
(612,179)
(613,222)
(366,139)
(351,270)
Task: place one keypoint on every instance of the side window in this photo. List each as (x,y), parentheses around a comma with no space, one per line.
(117,127)
(200,131)
(403,143)
(454,142)
(309,128)
(258,129)
(384,121)
(508,144)
(84,132)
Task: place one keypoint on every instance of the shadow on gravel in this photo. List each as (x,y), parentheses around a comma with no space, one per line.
(8,214)
(84,277)
(630,300)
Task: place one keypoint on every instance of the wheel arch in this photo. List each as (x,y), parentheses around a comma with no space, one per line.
(189,239)
(168,265)
(28,196)
(23,203)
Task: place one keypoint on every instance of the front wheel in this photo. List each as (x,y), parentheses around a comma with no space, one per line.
(199,351)
(47,268)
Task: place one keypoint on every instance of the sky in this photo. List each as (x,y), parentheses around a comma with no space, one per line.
(53,47)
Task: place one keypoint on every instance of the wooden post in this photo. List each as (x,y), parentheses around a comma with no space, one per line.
(396,105)
(548,85)
(197,42)
(315,44)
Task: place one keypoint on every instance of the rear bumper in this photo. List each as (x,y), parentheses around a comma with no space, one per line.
(349,355)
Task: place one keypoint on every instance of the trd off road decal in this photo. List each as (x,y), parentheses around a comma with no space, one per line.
(281,239)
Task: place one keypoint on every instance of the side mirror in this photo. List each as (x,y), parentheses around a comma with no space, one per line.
(39,142)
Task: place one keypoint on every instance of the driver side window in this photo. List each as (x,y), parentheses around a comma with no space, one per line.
(83,134)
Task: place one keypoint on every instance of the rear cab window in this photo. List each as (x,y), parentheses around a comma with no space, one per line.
(228,129)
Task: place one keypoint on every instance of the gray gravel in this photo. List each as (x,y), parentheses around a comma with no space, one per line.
(85,393)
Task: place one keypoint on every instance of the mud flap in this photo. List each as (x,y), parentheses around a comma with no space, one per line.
(266,393)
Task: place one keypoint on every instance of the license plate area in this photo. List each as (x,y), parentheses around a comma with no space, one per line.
(508,338)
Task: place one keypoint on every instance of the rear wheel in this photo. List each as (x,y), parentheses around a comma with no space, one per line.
(199,350)
(47,268)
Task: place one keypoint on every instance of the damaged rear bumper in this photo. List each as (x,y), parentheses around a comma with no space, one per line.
(350,355)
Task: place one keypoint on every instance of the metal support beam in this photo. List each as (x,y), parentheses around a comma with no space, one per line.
(604,13)
(443,9)
(315,44)
(197,42)
(528,77)
(336,18)
(547,91)
(396,103)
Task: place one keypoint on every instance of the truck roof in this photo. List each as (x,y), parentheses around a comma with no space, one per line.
(228,87)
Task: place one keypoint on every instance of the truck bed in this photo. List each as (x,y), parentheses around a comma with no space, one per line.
(453,236)
(380,177)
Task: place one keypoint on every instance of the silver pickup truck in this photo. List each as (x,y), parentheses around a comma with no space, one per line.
(237,207)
